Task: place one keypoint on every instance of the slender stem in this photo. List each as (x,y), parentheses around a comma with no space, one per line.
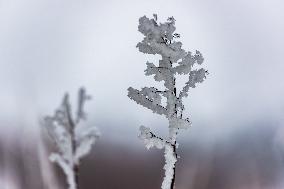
(76,165)
(76,175)
(174,137)
(174,168)
(73,146)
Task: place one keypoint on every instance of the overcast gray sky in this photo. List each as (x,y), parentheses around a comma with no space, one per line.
(48,47)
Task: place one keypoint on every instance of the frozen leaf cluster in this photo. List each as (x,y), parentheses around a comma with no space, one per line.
(72,137)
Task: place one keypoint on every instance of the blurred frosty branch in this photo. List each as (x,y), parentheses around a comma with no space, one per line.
(73,139)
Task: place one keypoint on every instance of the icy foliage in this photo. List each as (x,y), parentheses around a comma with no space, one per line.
(72,137)
(161,39)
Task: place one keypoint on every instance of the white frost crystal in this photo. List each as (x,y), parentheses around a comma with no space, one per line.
(159,38)
(150,140)
(73,139)
(180,123)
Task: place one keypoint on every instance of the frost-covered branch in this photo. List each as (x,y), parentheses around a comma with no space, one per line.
(150,139)
(195,76)
(82,98)
(160,39)
(144,99)
(72,137)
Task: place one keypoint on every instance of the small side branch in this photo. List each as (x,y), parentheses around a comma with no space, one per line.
(141,99)
(151,140)
(195,76)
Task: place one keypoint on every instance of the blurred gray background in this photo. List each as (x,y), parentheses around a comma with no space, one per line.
(48,47)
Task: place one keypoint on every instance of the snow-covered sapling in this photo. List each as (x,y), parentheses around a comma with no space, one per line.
(159,38)
(72,137)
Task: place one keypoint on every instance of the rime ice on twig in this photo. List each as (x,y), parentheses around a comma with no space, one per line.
(151,140)
(159,38)
(73,139)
